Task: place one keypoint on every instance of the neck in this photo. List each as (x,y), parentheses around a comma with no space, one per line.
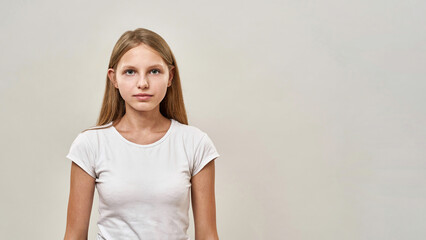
(140,121)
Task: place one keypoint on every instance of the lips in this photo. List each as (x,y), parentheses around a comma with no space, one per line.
(142,95)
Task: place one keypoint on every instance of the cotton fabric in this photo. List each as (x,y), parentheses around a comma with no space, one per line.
(144,190)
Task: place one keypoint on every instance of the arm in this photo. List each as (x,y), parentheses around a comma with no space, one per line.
(79,204)
(203,203)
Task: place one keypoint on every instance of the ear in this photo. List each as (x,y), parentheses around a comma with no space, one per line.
(111,76)
(171,75)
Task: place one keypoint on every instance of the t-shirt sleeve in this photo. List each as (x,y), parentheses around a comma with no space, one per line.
(204,153)
(82,153)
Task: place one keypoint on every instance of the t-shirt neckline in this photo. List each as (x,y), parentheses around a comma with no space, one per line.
(145,145)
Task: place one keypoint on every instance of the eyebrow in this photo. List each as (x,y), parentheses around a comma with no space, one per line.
(155,65)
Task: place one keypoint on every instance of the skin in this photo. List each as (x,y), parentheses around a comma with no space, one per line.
(142,70)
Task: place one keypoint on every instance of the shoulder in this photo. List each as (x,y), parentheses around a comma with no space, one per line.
(189,132)
(91,135)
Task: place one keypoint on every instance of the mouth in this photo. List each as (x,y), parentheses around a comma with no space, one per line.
(142,97)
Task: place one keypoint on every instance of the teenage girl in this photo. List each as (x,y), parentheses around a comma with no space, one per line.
(142,156)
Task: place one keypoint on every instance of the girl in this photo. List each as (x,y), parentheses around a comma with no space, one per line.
(142,156)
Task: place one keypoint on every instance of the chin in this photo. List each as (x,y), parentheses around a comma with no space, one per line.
(143,106)
(145,109)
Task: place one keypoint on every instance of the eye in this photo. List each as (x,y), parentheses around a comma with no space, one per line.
(129,72)
(155,71)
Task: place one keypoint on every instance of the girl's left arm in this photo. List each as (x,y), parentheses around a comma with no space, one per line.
(203,203)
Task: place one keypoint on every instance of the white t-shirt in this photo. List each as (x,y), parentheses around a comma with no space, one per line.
(144,190)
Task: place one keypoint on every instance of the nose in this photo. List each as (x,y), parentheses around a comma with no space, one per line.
(142,82)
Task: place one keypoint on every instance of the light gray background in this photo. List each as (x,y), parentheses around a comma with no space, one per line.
(316,107)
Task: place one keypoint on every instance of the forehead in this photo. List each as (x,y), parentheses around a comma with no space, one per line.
(140,56)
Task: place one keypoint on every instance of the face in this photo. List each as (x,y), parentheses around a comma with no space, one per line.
(141,70)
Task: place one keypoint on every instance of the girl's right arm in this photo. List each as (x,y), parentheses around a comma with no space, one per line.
(82,188)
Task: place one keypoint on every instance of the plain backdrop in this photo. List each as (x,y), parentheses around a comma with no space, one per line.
(316,107)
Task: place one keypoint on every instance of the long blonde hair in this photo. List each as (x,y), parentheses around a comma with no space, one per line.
(172,106)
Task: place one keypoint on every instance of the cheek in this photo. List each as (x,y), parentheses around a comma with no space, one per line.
(159,83)
(125,89)
(163,87)
(124,84)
